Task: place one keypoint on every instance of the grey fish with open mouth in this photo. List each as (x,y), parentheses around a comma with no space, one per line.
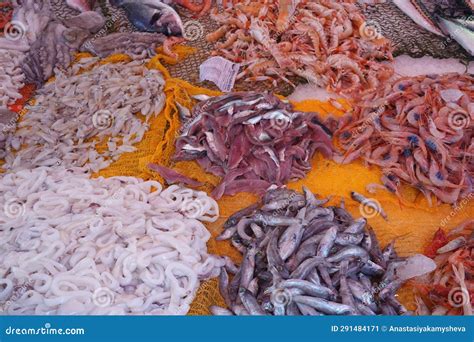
(152,16)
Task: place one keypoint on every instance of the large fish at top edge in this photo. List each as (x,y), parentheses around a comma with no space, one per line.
(152,16)
(452,18)
(81,5)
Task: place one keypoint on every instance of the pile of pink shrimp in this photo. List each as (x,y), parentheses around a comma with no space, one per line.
(420,131)
(449,290)
(326,42)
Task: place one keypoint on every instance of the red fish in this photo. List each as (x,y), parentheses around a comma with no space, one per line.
(439,240)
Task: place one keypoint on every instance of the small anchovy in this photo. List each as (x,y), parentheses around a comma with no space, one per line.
(308,288)
(313,277)
(390,289)
(372,269)
(240,310)
(369,203)
(307,310)
(292,309)
(452,245)
(344,291)
(234,218)
(349,252)
(346,239)
(389,252)
(230,266)
(307,249)
(248,266)
(201,97)
(290,240)
(273,254)
(307,266)
(250,303)
(323,271)
(224,286)
(364,309)
(184,113)
(327,307)
(327,242)
(357,226)
(398,307)
(272,220)
(253,286)
(227,233)
(219,311)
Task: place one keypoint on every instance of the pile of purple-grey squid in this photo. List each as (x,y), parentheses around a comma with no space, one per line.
(301,258)
(252,141)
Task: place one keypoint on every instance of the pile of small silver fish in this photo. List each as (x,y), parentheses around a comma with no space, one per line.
(420,131)
(327,42)
(252,141)
(301,258)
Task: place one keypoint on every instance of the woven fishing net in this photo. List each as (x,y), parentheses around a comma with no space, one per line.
(407,37)
(411,221)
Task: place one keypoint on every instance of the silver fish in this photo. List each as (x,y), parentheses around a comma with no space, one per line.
(250,303)
(349,252)
(327,307)
(201,97)
(447,18)
(220,311)
(458,30)
(308,288)
(223,286)
(327,242)
(152,16)
(368,203)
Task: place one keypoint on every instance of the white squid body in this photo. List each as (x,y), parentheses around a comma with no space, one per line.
(74,245)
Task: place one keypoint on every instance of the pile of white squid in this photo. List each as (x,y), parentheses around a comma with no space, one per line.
(84,106)
(70,244)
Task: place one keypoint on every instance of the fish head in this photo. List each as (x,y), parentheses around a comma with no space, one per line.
(167,21)
(81,5)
